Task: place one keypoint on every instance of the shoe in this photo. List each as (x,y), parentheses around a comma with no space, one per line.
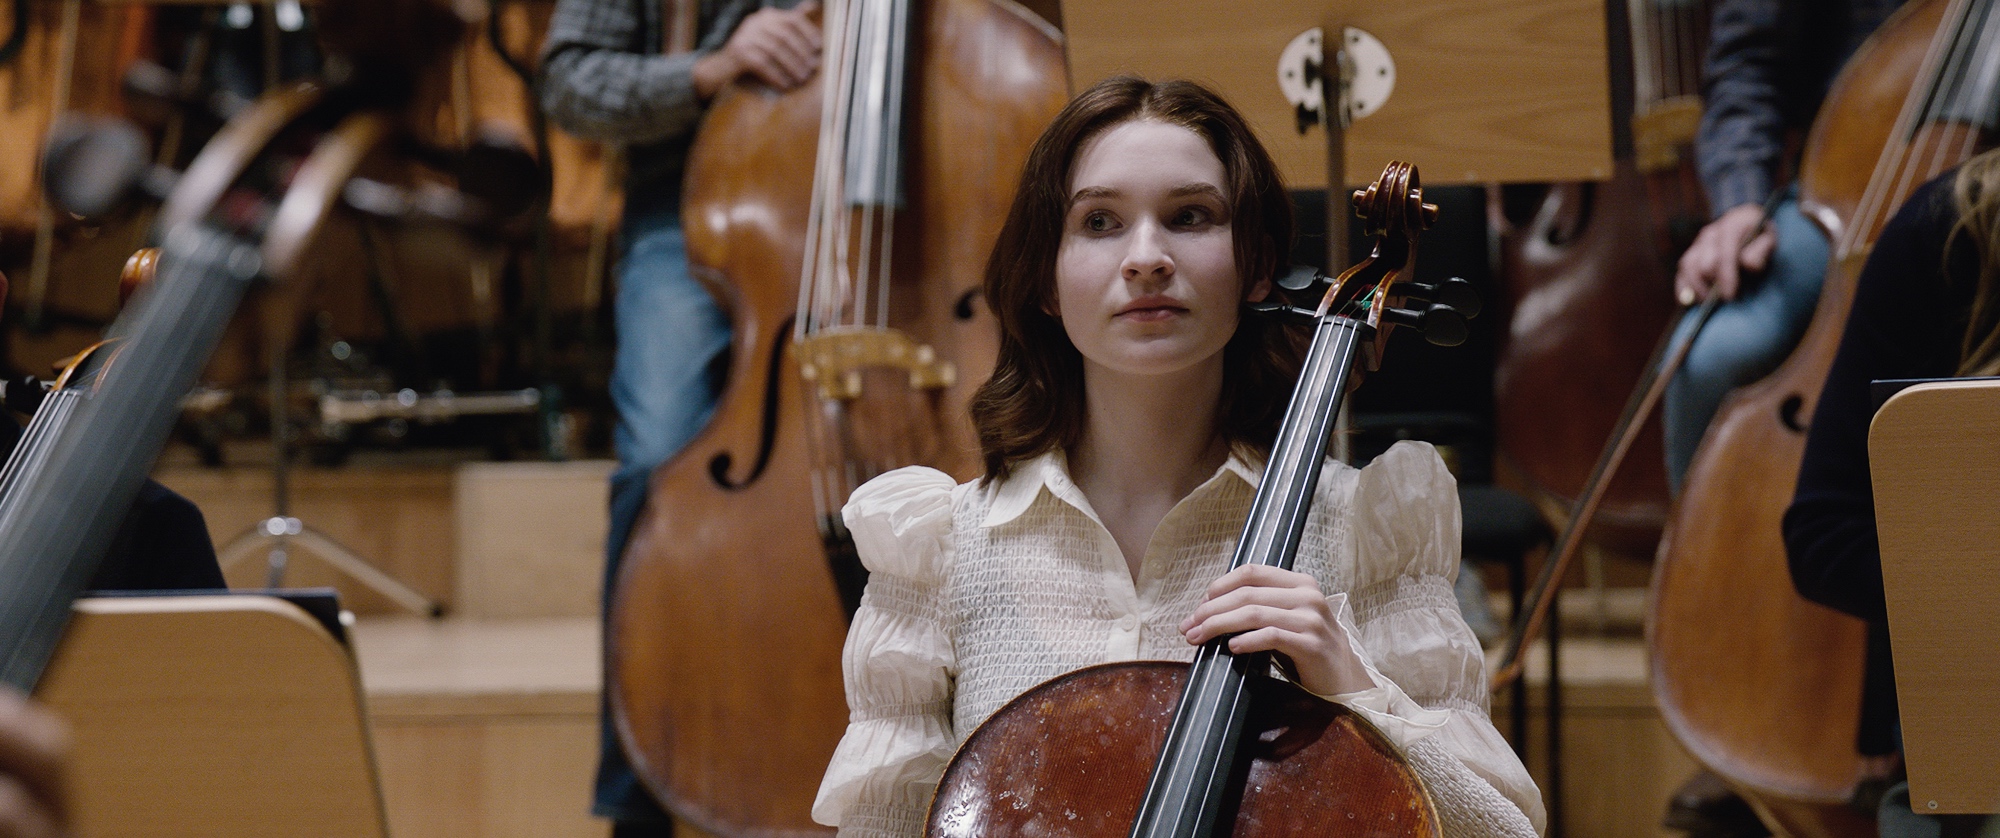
(1705,807)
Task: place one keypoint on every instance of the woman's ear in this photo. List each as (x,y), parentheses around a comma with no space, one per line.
(1258,291)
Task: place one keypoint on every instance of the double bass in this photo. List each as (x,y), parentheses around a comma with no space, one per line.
(1760,685)
(843,225)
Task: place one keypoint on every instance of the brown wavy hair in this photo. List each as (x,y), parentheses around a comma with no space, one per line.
(1034,402)
(1976,194)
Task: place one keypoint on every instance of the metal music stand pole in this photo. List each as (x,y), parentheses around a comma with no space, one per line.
(283,528)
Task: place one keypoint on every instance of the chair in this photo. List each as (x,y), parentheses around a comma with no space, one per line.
(212,715)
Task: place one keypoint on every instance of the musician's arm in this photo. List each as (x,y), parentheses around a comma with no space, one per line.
(1406,527)
(898,662)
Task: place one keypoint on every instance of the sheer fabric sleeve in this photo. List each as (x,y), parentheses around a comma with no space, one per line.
(1409,631)
(898,661)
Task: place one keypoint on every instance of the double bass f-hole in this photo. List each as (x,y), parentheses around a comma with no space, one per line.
(767,431)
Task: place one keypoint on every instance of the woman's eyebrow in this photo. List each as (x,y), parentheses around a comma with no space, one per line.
(1181,191)
(1089,192)
(1187,189)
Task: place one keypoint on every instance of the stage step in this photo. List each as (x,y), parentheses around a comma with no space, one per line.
(484,728)
(482,539)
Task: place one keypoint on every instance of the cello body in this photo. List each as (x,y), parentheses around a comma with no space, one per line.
(727,624)
(1295,741)
(1759,684)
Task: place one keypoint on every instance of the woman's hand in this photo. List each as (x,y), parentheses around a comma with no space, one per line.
(1283,611)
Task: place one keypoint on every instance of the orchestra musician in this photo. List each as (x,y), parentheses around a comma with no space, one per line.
(1926,305)
(1768,68)
(1123,432)
(606,76)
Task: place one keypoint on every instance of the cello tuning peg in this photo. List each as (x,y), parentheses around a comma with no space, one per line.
(91,164)
(1454,292)
(1440,324)
(1300,278)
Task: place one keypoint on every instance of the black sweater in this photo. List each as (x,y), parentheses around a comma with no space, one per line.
(1910,310)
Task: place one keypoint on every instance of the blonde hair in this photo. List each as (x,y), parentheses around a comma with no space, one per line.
(1976,195)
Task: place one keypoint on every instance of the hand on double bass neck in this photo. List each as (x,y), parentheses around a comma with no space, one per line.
(1736,242)
(1282,611)
(779,47)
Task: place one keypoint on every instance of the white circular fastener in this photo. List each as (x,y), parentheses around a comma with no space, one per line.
(1299,73)
(1933,804)
(1374,73)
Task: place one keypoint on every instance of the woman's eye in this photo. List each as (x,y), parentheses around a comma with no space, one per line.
(1192,216)
(1097,222)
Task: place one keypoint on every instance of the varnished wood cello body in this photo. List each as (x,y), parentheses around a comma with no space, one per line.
(728,618)
(1760,685)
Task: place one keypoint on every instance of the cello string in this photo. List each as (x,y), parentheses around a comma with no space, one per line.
(1895,153)
(1957,98)
(1896,150)
(1969,139)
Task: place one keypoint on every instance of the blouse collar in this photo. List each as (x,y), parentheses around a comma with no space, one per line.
(1008,498)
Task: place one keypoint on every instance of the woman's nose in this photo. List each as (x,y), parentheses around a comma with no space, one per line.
(1146,254)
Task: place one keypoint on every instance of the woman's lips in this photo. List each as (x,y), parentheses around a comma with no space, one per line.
(1145,310)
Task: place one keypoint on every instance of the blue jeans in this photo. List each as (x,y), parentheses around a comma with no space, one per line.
(663,387)
(1745,338)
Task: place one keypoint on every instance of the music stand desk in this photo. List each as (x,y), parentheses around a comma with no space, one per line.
(1934,458)
(216,715)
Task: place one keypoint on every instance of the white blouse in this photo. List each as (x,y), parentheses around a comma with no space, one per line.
(978,593)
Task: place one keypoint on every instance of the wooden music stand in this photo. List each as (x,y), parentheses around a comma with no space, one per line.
(212,715)
(1483,92)
(1934,458)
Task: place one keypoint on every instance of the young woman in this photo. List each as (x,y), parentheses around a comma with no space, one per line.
(1123,430)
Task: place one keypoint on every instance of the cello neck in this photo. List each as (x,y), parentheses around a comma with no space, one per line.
(1185,793)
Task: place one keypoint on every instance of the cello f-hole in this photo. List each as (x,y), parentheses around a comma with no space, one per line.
(962,308)
(1788,413)
(767,432)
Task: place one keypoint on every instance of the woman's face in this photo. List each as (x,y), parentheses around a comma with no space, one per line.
(1146,278)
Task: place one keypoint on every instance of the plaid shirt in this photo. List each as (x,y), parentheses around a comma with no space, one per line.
(1769,65)
(603,78)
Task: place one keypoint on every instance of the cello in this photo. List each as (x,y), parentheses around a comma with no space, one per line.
(1228,750)
(850,268)
(1760,685)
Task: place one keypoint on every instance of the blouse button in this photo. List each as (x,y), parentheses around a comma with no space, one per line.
(1128,623)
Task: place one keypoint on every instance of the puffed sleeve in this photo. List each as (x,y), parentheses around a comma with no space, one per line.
(898,661)
(1409,631)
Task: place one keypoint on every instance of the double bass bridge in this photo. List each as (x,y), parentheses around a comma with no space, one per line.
(834,359)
